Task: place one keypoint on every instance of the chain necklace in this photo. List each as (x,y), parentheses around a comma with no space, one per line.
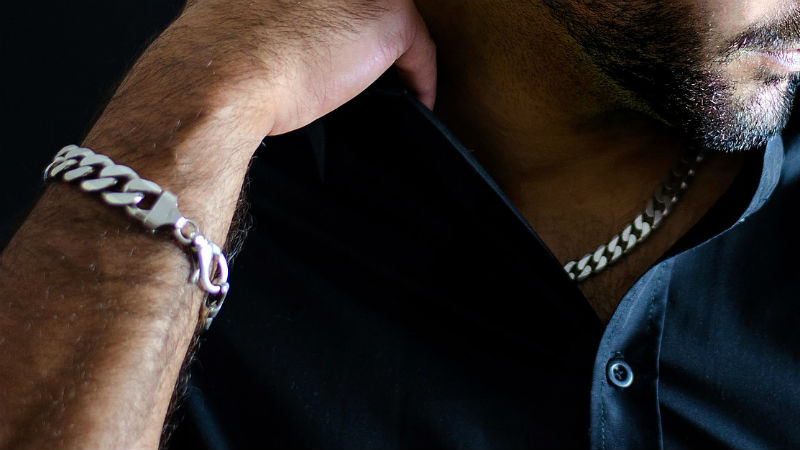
(658,207)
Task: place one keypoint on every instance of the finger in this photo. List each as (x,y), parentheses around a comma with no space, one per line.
(417,66)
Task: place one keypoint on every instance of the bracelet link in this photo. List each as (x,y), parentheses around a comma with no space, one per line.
(213,303)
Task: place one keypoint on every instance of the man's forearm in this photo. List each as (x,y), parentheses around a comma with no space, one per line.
(95,313)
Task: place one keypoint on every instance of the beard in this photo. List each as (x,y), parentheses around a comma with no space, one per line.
(659,53)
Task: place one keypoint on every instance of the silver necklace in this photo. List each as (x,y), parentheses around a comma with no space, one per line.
(658,207)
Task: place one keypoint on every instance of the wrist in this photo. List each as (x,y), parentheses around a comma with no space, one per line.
(188,125)
(189,101)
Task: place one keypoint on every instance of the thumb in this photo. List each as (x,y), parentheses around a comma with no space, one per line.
(417,66)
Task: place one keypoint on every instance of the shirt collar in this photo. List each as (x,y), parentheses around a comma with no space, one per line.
(770,175)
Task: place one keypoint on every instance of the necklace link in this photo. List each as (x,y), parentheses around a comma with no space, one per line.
(656,210)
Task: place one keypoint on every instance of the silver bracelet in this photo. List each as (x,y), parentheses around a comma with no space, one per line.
(120,186)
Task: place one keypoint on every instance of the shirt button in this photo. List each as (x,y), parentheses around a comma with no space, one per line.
(619,373)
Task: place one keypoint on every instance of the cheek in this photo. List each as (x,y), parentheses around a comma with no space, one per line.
(726,19)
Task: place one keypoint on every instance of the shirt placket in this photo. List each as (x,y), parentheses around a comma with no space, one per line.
(624,399)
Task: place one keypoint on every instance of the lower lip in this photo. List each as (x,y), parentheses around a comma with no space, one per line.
(788,60)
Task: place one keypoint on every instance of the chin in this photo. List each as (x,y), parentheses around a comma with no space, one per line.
(741,119)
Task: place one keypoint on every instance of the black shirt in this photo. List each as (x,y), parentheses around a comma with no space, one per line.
(390,296)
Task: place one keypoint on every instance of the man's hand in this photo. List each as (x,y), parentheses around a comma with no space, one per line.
(95,315)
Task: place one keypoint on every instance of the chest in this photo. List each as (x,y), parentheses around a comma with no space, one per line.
(604,291)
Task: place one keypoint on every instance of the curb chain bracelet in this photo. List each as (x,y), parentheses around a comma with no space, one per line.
(121,186)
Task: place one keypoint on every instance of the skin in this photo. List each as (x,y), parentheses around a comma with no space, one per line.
(100,314)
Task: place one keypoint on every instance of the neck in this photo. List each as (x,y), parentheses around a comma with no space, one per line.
(575,154)
(563,142)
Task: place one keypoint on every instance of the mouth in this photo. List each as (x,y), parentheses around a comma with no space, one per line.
(787,60)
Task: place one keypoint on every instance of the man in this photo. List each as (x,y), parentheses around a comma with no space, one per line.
(393,293)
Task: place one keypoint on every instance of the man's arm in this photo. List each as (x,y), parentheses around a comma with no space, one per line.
(95,314)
